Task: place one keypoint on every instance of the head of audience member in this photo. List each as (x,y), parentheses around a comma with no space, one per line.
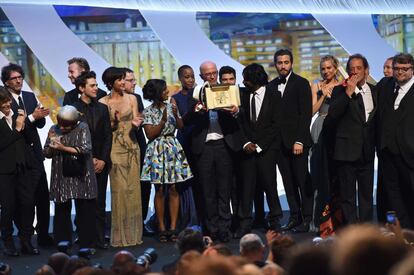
(249,269)
(130,81)
(309,259)
(186,261)
(254,76)
(87,85)
(114,79)
(6,269)
(402,64)
(190,239)
(364,249)
(227,75)
(220,249)
(405,267)
(387,68)
(214,265)
(283,60)
(76,66)
(5,102)
(280,249)
(208,72)
(358,65)
(67,118)
(252,247)
(272,269)
(155,90)
(45,270)
(328,67)
(186,77)
(74,263)
(120,259)
(12,76)
(57,261)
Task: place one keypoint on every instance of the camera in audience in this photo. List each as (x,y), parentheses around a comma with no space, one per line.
(148,257)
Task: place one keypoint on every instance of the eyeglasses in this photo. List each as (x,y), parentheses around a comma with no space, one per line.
(402,69)
(212,74)
(131,80)
(16,78)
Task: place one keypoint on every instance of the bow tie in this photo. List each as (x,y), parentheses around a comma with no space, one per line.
(281,80)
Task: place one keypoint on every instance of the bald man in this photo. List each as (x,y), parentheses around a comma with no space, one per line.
(215,138)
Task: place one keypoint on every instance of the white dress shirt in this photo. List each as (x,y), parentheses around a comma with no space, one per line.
(366,98)
(281,87)
(402,92)
(258,97)
(9,118)
(16,97)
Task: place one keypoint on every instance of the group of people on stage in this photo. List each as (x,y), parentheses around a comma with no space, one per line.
(220,159)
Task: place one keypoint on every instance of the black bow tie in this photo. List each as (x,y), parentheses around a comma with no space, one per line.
(281,80)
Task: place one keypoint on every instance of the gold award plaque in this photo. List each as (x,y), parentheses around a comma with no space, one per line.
(222,96)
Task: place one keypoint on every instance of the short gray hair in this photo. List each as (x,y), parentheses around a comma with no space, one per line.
(250,243)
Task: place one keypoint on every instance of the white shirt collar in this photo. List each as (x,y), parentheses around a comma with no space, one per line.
(364,89)
(407,85)
(260,90)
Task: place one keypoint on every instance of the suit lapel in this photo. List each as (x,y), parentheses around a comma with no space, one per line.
(405,101)
(264,106)
(374,95)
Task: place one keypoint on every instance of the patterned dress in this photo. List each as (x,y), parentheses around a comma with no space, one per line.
(165,161)
(63,188)
(126,227)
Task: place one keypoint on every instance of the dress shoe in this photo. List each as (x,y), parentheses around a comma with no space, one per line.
(274,225)
(102,245)
(10,249)
(290,225)
(147,231)
(259,223)
(45,241)
(240,233)
(302,228)
(27,248)
(224,237)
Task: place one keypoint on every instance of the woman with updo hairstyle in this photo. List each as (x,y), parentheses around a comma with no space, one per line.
(321,165)
(126,214)
(70,141)
(165,164)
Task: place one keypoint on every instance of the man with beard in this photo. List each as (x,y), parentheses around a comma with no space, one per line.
(396,120)
(352,114)
(76,66)
(296,116)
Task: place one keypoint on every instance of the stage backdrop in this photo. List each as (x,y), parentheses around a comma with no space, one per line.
(41,38)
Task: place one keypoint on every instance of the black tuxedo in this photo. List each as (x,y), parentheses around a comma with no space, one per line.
(295,120)
(15,187)
(260,168)
(96,115)
(142,142)
(396,145)
(214,165)
(73,95)
(354,151)
(39,190)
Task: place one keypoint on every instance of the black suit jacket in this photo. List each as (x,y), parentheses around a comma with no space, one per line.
(139,133)
(12,148)
(201,123)
(403,119)
(266,131)
(354,136)
(296,111)
(31,136)
(99,124)
(73,95)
